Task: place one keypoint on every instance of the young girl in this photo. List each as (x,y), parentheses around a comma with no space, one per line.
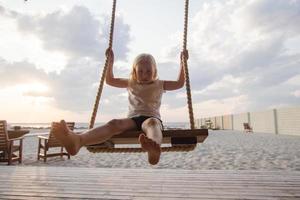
(144,95)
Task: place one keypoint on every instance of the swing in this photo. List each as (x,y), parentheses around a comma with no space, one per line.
(176,139)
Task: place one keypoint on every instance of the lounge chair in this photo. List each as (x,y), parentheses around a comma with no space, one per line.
(247,128)
(45,143)
(8,146)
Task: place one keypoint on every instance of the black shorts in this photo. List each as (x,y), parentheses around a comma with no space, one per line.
(140,119)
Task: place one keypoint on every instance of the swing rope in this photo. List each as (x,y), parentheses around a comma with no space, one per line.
(100,88)
(185,65)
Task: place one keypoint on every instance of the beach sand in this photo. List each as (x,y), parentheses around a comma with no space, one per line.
(222,150)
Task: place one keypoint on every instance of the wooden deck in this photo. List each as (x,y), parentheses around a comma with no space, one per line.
(21,182)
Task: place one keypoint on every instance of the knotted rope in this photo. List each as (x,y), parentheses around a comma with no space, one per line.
(185,65)
(100,88)
(98,149)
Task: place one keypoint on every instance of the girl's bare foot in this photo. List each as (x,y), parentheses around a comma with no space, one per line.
(69,139)
(151,147)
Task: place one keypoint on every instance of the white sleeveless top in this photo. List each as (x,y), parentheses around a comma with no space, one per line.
(145,99)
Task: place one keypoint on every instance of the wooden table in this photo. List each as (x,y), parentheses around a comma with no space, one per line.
(17,133)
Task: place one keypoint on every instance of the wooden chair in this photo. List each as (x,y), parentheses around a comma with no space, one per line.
(45,143)
(247,128)
(209,124)
(7,146)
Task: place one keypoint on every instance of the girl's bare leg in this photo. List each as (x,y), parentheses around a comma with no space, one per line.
(73,141)
(152,140)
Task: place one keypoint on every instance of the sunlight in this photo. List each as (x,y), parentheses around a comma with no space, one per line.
(34,93)
(30,48)
(32,99)
(32,88)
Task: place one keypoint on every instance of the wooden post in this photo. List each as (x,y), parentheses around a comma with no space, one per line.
(232,126)
(275,121)
(222,117)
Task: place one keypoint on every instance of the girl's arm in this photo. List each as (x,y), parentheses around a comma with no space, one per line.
(174,85)
(110,79)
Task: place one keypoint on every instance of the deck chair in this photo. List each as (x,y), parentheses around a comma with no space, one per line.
(8,146)
(247,128)
(45,143)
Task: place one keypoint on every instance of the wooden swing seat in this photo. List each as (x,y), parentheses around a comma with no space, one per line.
(176,139)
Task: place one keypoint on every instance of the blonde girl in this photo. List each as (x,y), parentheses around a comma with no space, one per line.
(144,94)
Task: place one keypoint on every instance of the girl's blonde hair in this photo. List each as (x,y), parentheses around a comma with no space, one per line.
(141,59)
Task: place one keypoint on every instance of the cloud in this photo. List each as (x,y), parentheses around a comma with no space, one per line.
(240,48)
(273,16)
(226,87)
(7,13)
(19,72)
(74,89)
(76,33)
(244,55)
(296,93)
(233,104)
(83,39)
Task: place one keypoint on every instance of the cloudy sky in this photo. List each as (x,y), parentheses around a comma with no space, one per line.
(244,56)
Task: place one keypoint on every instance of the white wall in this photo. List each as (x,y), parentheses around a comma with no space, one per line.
(219,123)
(285,121)
(239,120)
(288,121)
(227,121)
(263,121)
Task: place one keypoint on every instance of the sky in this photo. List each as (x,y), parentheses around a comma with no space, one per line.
(244,55)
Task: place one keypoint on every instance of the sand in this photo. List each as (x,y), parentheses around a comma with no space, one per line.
(221,150)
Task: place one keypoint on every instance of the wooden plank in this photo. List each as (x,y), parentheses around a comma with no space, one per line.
(131,137)
(19,182)
(17,133)
(3,137)
(167,133)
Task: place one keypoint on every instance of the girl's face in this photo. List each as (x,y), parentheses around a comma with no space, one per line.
(144,72)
